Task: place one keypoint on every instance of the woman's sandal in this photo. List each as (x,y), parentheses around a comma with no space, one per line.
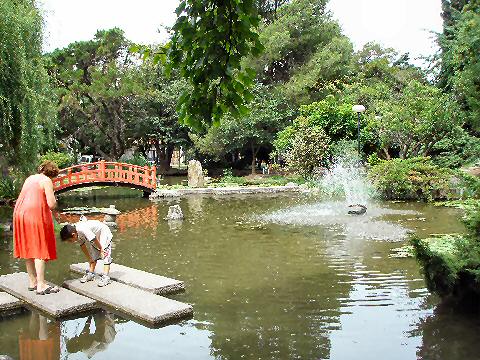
(32,288)
(49,290)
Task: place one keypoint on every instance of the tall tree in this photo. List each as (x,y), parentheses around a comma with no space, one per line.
(451,10)
(305,53)
(26,116)
(158,126)
(267,9)
(269,113)
(463,56)
(97,81)
(412,122)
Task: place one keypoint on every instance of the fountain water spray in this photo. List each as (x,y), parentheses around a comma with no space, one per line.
(347,179)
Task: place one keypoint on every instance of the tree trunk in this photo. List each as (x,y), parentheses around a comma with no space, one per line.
(254,156)
(386,153)
(164,157)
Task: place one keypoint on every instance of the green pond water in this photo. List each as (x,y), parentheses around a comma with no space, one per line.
(269,277)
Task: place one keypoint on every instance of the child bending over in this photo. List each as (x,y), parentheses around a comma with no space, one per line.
(95,240)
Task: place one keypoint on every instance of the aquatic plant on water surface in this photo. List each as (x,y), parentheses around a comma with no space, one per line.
(451,263)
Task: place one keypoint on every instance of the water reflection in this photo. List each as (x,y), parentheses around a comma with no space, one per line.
(40,340)
(195,204)
(144,217)
(266,289)
(449,334)
(92,343)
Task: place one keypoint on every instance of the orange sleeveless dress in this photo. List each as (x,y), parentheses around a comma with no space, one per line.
(34,236)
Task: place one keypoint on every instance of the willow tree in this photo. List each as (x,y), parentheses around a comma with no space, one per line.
(25,110)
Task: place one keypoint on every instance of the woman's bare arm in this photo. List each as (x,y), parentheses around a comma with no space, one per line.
(48,188)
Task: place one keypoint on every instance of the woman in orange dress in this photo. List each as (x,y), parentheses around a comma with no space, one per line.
(33,232)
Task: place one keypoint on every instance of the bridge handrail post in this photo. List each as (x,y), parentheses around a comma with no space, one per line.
(101,167)
(146,175)
(154,176)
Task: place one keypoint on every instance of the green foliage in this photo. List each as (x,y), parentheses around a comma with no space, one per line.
(228,179)
(442,262)
(305,56)
(461,57)
(268,114)
(26,118)
(209,40)
(412,122)
(96,84)
(137,159)
(328,117)
(337,119)
(309,149)
(267,9)
(9,188)
(284,138)
(451,263)
(63,160)
(459,149)
(373,159)
(158,125)
(412,179)
(472,217)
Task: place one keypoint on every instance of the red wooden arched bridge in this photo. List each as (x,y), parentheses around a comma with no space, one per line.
(106,173)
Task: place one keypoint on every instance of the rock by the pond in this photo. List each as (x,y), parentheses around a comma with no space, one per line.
(291,184)
(195,174)
(175,213)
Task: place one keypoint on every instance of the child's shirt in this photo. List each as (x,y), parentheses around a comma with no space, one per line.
(89,230)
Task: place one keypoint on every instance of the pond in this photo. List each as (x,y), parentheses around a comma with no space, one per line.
(269,277)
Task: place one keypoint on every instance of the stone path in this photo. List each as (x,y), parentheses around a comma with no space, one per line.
(137,278)
(61,304)
(239,190)
(9,303)
(151,308)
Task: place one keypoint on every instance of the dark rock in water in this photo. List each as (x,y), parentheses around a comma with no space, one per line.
(361,209)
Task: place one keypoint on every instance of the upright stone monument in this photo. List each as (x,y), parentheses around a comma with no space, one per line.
(195,174)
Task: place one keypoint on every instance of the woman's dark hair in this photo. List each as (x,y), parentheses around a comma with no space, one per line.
(67,232)
(48,168)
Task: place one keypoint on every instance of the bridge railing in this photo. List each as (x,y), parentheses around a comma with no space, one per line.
(106,172)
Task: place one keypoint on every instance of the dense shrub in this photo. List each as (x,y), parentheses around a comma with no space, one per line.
(228,179)
(309,150)
(451,263)
(137,159)
(63,160)
(460,149)
(414,179)
(9,188)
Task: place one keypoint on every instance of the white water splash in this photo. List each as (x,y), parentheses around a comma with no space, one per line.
(334,213)
(347,179)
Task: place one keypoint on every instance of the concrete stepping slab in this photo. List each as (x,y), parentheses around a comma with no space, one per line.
(62,304)
(137,278)
(139,304)
(9,303)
